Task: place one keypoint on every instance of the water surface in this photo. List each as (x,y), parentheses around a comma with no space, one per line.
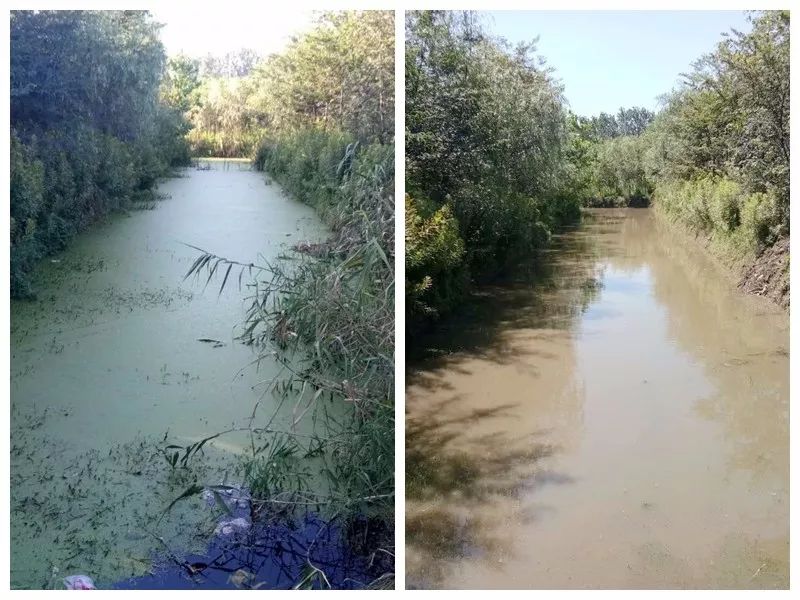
(107,366)
(621,423)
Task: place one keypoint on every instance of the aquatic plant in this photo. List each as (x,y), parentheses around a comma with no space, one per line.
(328,319)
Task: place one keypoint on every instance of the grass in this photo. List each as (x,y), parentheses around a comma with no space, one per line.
(327,316)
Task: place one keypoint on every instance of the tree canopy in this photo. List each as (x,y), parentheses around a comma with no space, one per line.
(88,130)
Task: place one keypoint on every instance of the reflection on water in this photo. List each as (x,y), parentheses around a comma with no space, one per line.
(621,423)
(271,556)
(108,362)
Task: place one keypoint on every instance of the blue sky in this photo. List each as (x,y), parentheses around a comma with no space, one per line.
(608,59)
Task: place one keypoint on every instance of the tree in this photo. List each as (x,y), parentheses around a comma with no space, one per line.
(730,119)
(486,154)
(86,122)
(180,87)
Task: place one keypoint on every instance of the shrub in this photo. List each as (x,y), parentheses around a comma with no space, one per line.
(434,258)
(334,310)
(723,198)
(720,208)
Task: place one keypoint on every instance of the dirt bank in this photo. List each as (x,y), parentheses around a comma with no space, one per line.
(764,275)
(769,275)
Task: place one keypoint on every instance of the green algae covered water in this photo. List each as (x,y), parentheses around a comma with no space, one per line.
(107,367)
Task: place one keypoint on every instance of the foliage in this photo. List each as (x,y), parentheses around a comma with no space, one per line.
(716,157)
(181,83)
(719,152)
(434,250)
(619,168)
(222,124)
(239,63)
(627,122)
(337,77)
(85,141)
(324,117)
(486,168)
(721,208)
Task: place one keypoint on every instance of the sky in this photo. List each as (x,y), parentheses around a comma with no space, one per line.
(204,29)
(610,59)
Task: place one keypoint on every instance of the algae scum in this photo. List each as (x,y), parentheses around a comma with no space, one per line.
(111,362)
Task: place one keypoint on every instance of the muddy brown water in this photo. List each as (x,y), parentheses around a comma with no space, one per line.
(107,366)
(621,423)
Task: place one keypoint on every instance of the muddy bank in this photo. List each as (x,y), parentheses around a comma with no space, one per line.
(768,276)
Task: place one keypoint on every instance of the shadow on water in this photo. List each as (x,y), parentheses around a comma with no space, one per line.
(534,419)
(549,293)
(273,556)
(466,462)
(452,473)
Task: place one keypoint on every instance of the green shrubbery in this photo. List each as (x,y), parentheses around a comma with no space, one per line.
(342,302)
(329,312)
(488,168)
(619,169)
(337,76)
(718,154)
(83,143)
(721,208)
(716,158)
(434,252)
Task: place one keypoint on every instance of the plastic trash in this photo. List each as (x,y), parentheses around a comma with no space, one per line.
(79,582)
(231,526)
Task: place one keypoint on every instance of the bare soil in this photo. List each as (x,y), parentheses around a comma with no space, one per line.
(769,275)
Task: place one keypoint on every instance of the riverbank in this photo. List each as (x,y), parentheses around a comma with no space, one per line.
(764,274)
(335,312)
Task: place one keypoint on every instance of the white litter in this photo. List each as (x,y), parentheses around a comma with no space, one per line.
(79,582)
(232,526)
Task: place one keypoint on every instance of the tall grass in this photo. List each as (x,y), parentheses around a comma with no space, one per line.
(328,317)
(740,224)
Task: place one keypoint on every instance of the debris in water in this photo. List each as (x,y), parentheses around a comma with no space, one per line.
(217,343)
(236,502)
(241,578)
(233,497)
(232,526)
(79,582)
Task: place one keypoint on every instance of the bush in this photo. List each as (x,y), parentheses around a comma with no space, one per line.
(336,309)
(84,142)
(720,208)
(435,274)
(724,199)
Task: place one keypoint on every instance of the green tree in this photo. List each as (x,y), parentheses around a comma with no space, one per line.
(85,111)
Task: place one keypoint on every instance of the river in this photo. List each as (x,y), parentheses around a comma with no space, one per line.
(621,422)
(107,365)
